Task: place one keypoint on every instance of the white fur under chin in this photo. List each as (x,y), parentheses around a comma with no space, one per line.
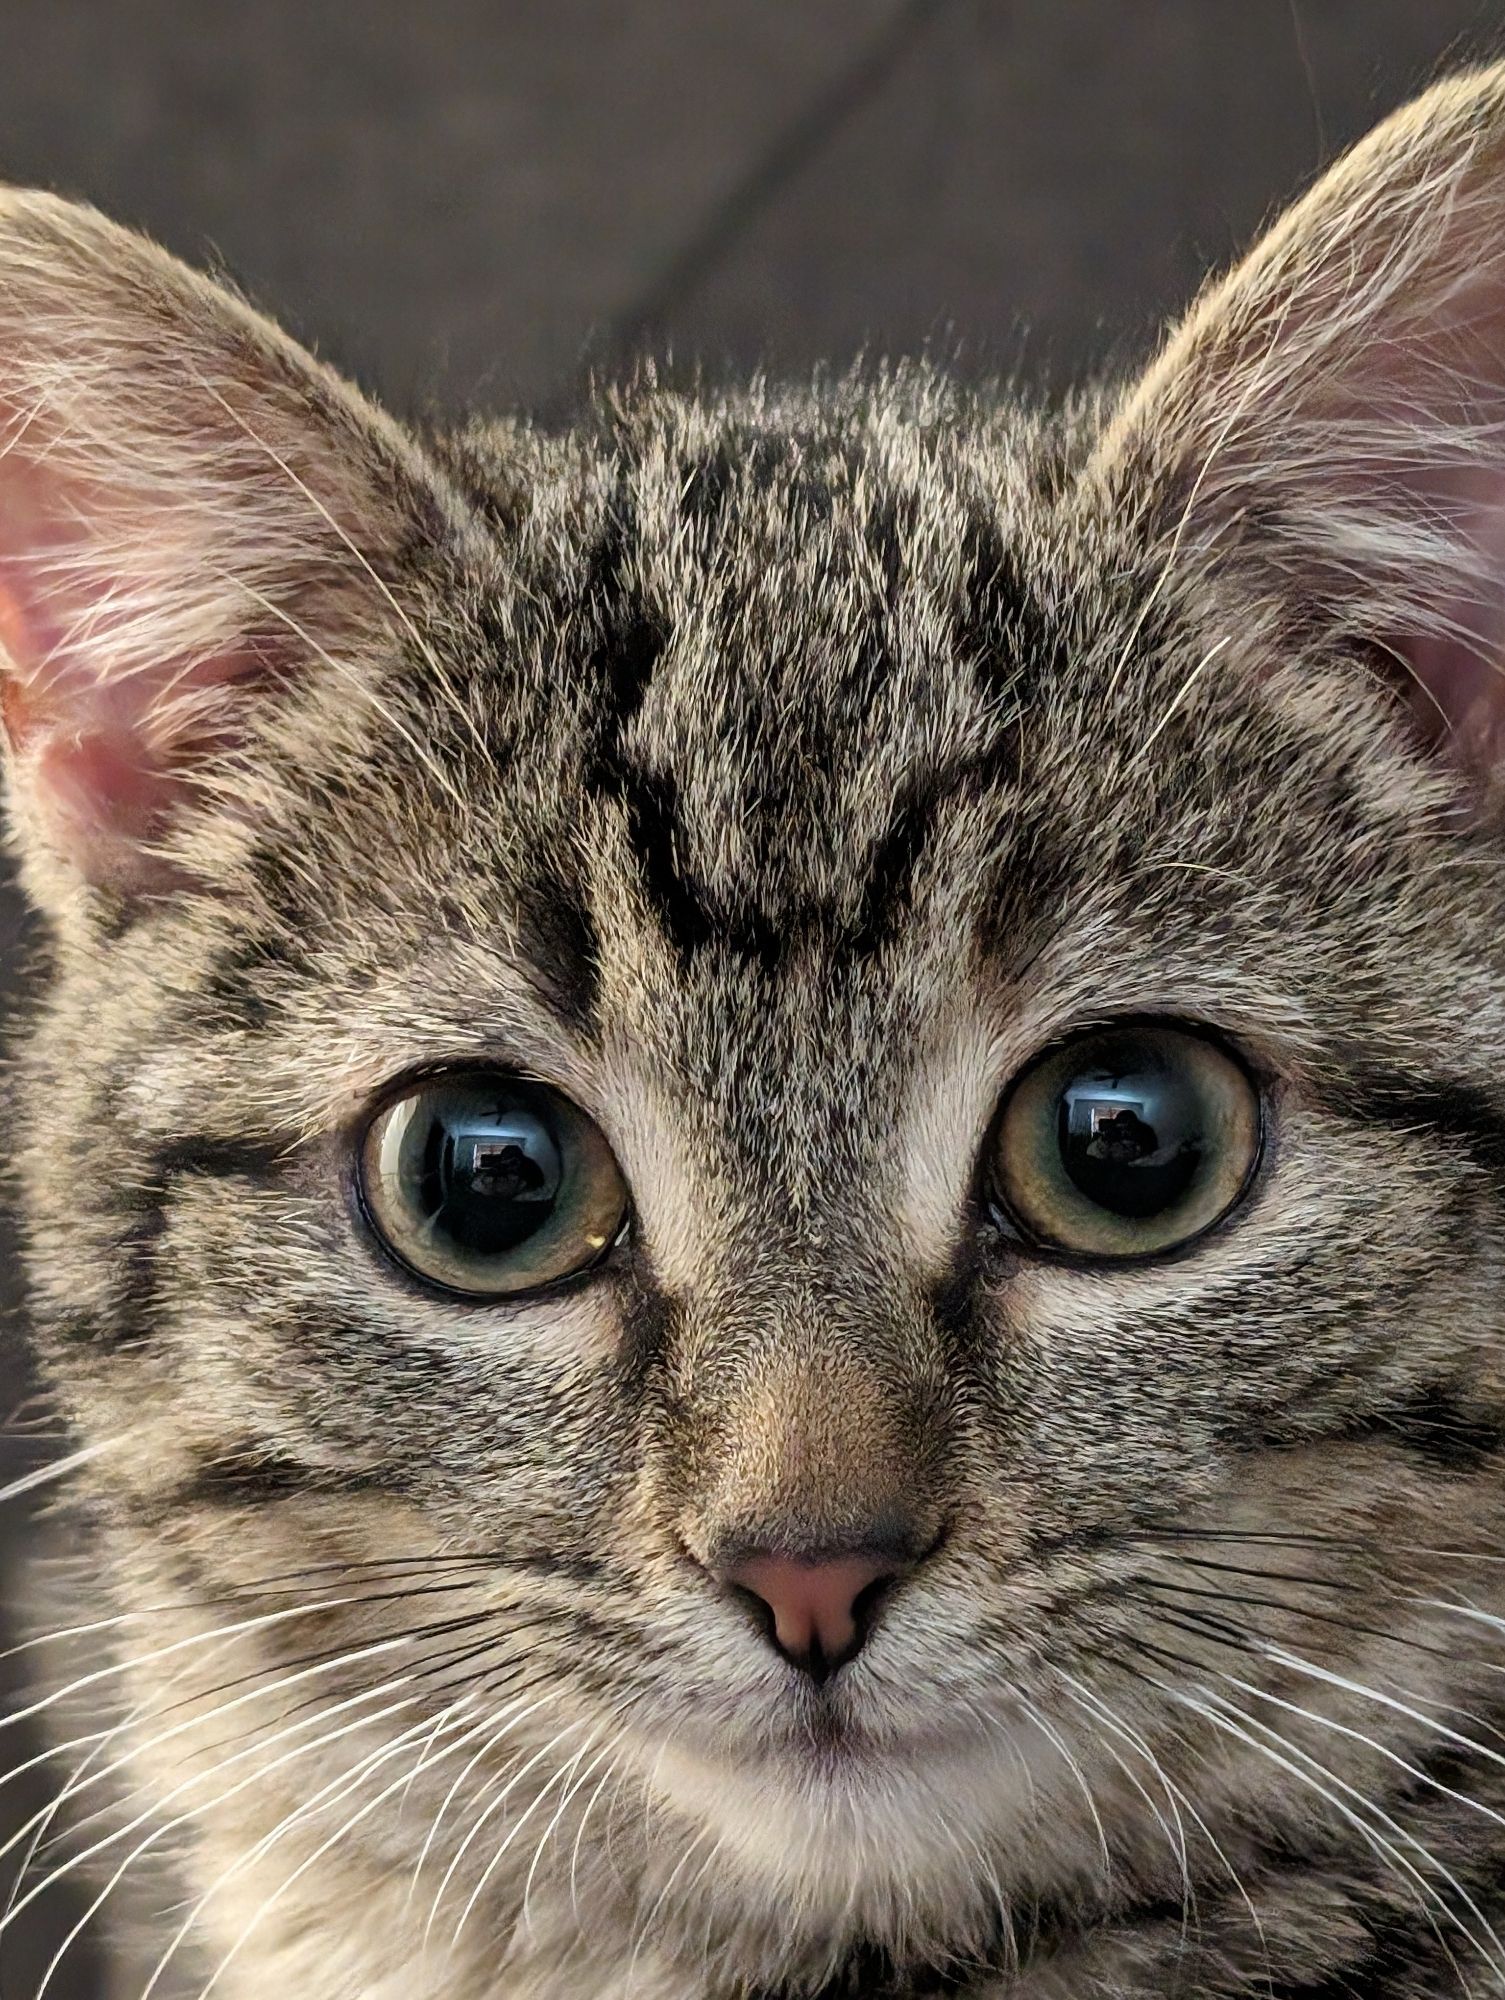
(862,1841)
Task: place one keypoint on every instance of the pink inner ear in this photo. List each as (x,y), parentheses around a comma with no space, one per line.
(101,742)
(190,507)
(1459,700)
(1456,657)
(103,763)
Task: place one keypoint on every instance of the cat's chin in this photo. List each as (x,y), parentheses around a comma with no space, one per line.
(847,1828)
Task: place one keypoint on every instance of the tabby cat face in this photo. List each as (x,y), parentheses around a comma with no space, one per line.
(809,1044)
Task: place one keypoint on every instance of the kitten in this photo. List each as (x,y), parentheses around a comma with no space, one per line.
(764,1156)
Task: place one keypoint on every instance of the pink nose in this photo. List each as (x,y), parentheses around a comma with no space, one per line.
(814,1604)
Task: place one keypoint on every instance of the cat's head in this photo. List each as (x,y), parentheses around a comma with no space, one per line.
(835,1055)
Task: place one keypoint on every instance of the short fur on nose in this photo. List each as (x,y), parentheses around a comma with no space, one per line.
(814,1603)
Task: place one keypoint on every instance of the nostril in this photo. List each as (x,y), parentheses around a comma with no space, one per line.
(869,1601)
(816,1612)
(759,1607)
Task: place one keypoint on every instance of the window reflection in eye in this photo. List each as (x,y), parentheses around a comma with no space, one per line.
(1131,1142)
(487,1173)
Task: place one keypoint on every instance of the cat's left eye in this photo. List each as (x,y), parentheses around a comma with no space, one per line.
(491,1184)
(1127,1142)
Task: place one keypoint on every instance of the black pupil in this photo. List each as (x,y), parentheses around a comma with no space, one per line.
(1131,1136)
(486,1169)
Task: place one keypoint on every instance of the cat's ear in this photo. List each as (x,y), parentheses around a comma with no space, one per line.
(192,512)
(1332,414)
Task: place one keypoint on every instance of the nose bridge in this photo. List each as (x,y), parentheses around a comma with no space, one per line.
(822,1440)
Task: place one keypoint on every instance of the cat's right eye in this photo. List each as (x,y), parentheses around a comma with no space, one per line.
(490,1184)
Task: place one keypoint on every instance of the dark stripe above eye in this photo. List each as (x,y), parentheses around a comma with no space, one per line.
(559,933)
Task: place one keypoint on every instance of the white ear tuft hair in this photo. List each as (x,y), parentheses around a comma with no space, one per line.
(1334,410)
(190,505)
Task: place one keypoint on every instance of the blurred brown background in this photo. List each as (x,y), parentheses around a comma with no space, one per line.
(480,201)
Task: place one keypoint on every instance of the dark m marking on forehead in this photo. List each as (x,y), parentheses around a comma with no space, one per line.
(890,881)
(627,642)
(557,922)
(627,646)
(680,904)
(772,912)
(1002,626)
(694,919)
(707,486)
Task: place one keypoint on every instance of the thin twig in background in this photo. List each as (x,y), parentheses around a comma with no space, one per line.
(643,322)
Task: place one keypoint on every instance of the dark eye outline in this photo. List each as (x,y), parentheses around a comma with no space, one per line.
(1008,1228)
(393,1261)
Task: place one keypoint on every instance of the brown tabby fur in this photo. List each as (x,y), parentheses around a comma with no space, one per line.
(776,774)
